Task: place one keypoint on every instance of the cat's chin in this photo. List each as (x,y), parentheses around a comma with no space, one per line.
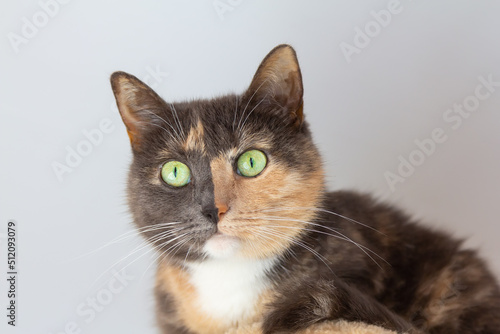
(222,246)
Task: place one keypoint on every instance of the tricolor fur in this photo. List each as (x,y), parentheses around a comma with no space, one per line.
(277,249)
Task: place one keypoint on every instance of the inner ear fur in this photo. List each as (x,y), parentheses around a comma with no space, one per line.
(138,105)
(279,82)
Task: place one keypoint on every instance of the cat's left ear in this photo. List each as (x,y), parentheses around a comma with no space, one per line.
(278,82)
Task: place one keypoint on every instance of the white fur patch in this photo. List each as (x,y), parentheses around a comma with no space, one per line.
(222,246)
(228,289)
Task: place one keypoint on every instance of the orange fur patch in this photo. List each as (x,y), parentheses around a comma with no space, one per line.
(266,212)
(444,298)
(194,140)
(437,308)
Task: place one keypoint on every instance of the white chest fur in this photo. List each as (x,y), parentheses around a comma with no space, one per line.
(228,289)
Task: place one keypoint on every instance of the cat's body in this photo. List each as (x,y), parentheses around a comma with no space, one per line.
(231,193)
(429,282)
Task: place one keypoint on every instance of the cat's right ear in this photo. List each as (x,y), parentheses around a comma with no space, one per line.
(137,103)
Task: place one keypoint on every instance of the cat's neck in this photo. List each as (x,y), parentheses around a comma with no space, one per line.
(230,289)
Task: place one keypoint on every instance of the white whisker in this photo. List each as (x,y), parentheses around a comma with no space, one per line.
(177,121)
(144,245)
(160,247)
(246,118)
(279,234)
(250,100)
(125,236)
(321,210)
(339,235)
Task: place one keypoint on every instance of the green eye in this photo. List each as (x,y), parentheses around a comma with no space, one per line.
(251,163)
(175,173)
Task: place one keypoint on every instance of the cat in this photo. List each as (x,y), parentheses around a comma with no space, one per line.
(231,193)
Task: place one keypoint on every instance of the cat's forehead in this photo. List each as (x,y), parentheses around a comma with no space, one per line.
(220,127)
(195,139)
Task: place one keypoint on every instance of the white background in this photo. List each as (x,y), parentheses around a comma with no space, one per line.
(364,113)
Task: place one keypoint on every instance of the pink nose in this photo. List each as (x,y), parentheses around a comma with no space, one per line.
(222,209)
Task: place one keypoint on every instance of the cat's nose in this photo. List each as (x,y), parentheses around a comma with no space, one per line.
(222,209)
(215,214)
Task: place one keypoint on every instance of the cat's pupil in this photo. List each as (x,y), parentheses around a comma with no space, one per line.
(251,162)
(175,171)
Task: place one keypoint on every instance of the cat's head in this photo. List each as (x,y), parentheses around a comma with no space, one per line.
(234,176)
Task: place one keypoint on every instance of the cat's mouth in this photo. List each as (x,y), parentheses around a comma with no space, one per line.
(221,245)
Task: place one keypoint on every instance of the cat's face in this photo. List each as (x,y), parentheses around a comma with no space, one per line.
(235,176)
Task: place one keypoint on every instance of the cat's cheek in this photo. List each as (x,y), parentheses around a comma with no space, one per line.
(222,246)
